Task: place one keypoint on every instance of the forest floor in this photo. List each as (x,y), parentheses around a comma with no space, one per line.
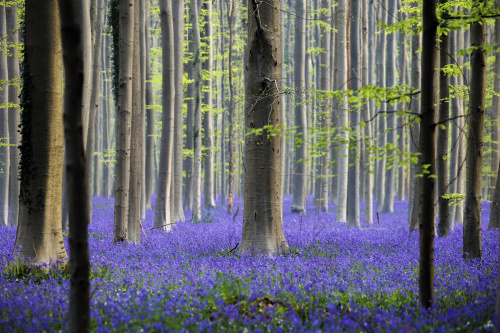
(333,279)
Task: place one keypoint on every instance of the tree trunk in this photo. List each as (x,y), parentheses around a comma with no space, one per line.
(4,129)
(13,69)
(495,113)
(134,210)
(300,165)
(79,215)
(368,164)
(94,100)
(442,140)
(124,121)
(230,19)
(178,10)
(262,223)
(142,40)
(223,115)
(428,157)
(343,113)
(208,159)
(150,119)
(42,136)
(163,219)
(353,177)
(474,163)
(87,65)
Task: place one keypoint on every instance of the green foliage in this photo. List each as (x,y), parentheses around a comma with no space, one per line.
(455,199)
(20,271)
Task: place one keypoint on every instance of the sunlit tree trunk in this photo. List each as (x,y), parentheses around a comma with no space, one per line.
(124,120)
(262,223)
(150,118)
(475,142)
(230,19)
(368,163)
(495,112)
(87,64)
(39,232)
(4,129)
(300,144)
(142,62)
(223,104)
(163,218)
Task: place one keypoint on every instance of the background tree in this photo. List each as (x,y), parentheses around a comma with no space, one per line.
(4,128)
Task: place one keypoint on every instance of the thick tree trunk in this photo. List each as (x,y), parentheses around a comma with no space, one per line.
(475,142)
(150,119)
(79,215)
(4,129)
(262,223)
(13,69)
(42,136)
(163,218)
(343,113)
(300,144)
(178,10)
(442,140)
(124,121)
(142,40)
(208,159)
(134,210)
(355,149)
(428,158)
(94,101)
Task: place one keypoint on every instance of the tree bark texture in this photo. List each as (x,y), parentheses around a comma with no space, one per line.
(262,222)
(39,232)
(230,178)
(475,143)
(495,112)
(4,129)
(79,215)
(150,119)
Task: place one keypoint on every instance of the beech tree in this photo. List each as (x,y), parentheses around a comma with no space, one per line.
(4,129)
(262,214)
(42,136)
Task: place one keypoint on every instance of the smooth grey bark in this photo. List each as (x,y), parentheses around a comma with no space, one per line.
(230,19)
(442,140)
(197,123)
(86,31)
(456,110)
(189,161)
(428,157)
(390,80)
(403,79)
(178,10)
(163,218)
(42,136)
(106,122)
(142,40)
(94,101)
(324,113)
(150,118)
(353,220)
(475,118)
(4,129)
(134,210)
(368,163)
(77,187)
(495,210)
(262,222)
(124,121)
(208,157)
(342,111)
(301,159)
(223,115)
(459,211)
(13,73)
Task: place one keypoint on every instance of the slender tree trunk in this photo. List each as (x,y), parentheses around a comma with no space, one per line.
(208,159)
(163,219)
(87,65)
(94,101)
(150,119)
(262,223)
(124,121)
(4,129)
(428,157)
(390,172)
(301,160)
(475,142)
(178,9)
(13,72)
(189,162)
(142,40)
(353,177)
(495,113)
(230,19)
(134,212)
(223,115)
(442,141)
(79,215)
(343,112)
(368,164)
(42,136)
